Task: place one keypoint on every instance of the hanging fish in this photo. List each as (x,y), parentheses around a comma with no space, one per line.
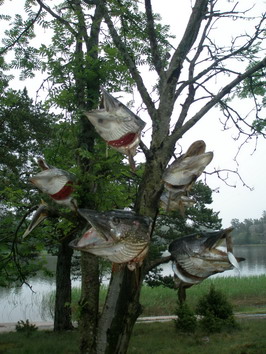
(200,255)
(184,171)
(41,214)
(117,125)
(121,236)
(58,184)
(176,201)
(181,174)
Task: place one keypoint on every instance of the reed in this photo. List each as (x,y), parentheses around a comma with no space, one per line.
(246,294)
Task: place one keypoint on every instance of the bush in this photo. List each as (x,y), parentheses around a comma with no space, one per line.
(216,312)
(26,327)
(186,320)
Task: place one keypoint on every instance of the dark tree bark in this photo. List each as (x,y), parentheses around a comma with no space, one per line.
(89,303)
(62,314)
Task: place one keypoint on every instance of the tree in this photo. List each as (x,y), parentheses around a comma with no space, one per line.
(131,36)
(25,129)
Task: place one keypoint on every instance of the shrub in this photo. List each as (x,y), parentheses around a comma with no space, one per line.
(216,312)
(26,327)
(186,320)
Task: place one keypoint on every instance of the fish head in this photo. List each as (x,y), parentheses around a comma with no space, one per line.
(119,224)
(41,214)
(199,243)
(115,123)
(51,181)
(196,148)
(204,253)
(119,236)
(183,171)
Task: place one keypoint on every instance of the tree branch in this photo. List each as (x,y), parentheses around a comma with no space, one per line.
(23,32)
(156,262)
(152,38)
(59,18)
(128,59)
(177,133)
(198,13)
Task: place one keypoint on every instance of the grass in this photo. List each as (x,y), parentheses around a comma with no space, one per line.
(161,338)
(247,295)
(152,338)
(41,342)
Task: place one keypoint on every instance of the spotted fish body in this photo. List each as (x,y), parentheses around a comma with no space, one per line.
(198,256)
(57,183)
(117,124)
(120,236)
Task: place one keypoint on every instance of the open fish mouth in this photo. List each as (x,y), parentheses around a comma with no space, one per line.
(119,235)
(126,140)
(116,123)
(98,223)
(200,255)
(91,239)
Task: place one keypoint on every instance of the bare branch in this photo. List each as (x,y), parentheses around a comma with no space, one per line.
(177,133)
(224,179)
(153,40)
(156,262)
(59,18)
(128,58)
(198,13)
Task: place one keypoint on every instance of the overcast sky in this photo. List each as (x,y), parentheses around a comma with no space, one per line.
(239,201)
(232,202)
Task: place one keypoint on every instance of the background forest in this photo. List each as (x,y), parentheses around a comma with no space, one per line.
(250,231)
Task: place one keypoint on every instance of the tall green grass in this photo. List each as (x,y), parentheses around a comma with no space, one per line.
(247,294)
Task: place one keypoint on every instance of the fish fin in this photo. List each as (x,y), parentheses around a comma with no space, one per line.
(181,276)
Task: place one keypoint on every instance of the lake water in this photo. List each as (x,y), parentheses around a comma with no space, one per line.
(21,303)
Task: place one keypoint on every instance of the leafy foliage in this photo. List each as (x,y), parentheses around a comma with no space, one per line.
(216,312)
(26,327)
(186,320)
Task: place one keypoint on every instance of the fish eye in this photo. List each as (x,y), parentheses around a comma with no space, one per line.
(115,220)
(100,121)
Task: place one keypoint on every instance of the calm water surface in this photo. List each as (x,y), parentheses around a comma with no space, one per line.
(21,303)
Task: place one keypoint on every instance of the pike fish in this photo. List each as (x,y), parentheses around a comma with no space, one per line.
(117,124)
(173,201)
(182,173)
(58,184)
(40,214)
(200,255)
(121,236)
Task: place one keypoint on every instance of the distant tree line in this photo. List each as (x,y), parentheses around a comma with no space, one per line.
(250,231)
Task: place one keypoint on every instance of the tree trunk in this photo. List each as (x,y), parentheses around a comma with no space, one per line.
(122,306)
(89,303)
(120,312)
(62,316)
